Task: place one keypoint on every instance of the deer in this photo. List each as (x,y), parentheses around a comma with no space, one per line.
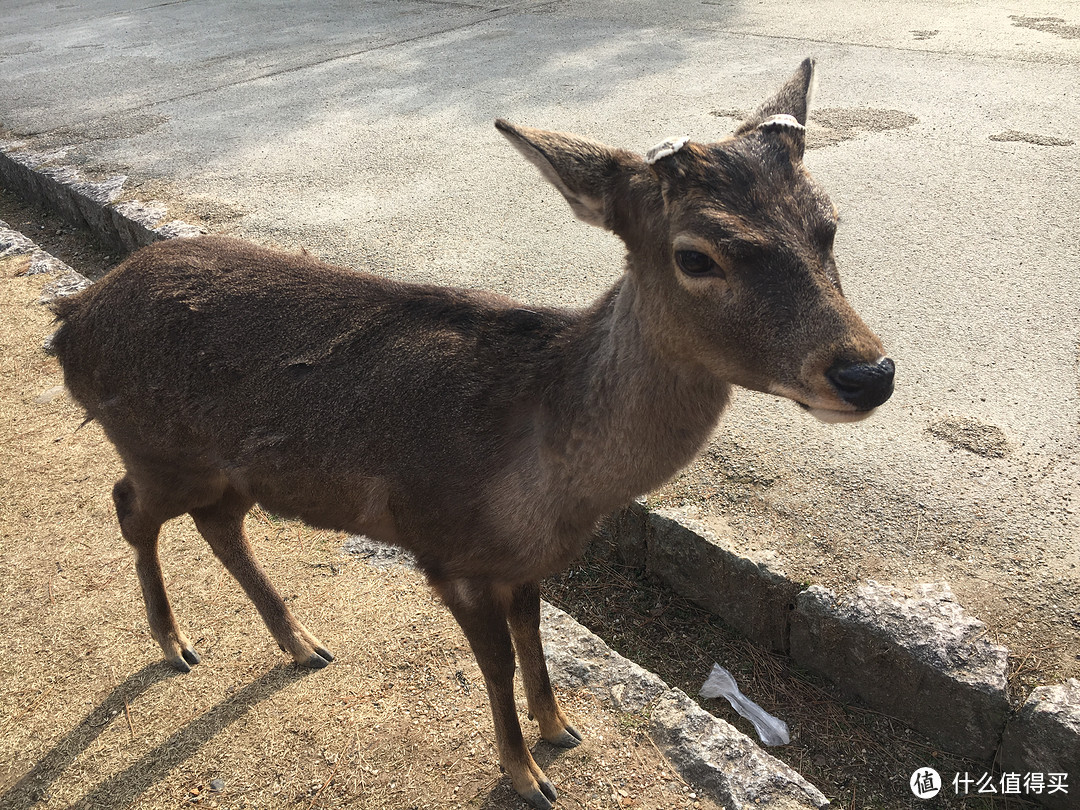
(486,437)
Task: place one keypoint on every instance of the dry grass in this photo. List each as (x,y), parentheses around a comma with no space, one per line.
(91,717)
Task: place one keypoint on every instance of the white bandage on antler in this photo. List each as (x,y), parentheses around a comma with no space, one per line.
(780,122)
(665,148)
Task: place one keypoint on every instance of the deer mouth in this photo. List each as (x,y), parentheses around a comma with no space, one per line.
(831,410)
(831,416)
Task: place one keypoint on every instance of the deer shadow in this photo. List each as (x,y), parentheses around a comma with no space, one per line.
(122,789)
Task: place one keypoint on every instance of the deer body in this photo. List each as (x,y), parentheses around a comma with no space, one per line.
(486,438)
(369,406)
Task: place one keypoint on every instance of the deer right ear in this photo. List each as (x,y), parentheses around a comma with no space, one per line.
(585,172)
(793,100)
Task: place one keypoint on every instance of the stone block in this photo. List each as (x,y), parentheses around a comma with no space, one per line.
(1044,738)
(125,226)
(134,222)
(696,561)
(918,658)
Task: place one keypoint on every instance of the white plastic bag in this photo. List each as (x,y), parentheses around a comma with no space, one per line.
(720,683)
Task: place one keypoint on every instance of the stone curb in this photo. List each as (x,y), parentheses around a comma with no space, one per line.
(43,178)
(855,640)
(917,657)
(23,257)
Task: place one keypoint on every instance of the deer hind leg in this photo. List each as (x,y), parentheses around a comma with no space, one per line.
(524,620)
(482,614)
(141,524)
(222,525)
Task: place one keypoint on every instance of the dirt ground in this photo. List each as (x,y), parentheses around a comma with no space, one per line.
(91,717)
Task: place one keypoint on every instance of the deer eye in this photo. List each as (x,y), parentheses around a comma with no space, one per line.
(694,263)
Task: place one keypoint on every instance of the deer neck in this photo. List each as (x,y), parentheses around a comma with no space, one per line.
(635,411)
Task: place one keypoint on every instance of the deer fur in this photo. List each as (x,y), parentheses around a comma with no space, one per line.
(486,438)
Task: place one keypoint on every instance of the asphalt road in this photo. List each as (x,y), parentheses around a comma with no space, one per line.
(363,131)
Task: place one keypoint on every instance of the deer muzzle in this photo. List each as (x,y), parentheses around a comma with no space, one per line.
(864,386)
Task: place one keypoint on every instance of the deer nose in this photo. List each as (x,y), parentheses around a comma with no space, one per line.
(864,385)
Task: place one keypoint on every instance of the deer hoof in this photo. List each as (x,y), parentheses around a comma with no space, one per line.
(570,738)
(318,659)
(179,663)
(190,656)
(543,797)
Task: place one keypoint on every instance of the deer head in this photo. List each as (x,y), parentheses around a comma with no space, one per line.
(730,248)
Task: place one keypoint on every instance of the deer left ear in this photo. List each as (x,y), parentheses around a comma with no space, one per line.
(791,102)
(587,173)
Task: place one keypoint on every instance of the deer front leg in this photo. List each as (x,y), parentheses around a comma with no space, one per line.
(524,620)
(222,525)
(482,615)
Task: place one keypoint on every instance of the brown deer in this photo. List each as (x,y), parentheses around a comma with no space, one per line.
(486,438)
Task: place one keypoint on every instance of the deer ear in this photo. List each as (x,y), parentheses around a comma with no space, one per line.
(584,171)
(793,100)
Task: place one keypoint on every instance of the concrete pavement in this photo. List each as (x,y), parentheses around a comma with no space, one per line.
(363,132)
